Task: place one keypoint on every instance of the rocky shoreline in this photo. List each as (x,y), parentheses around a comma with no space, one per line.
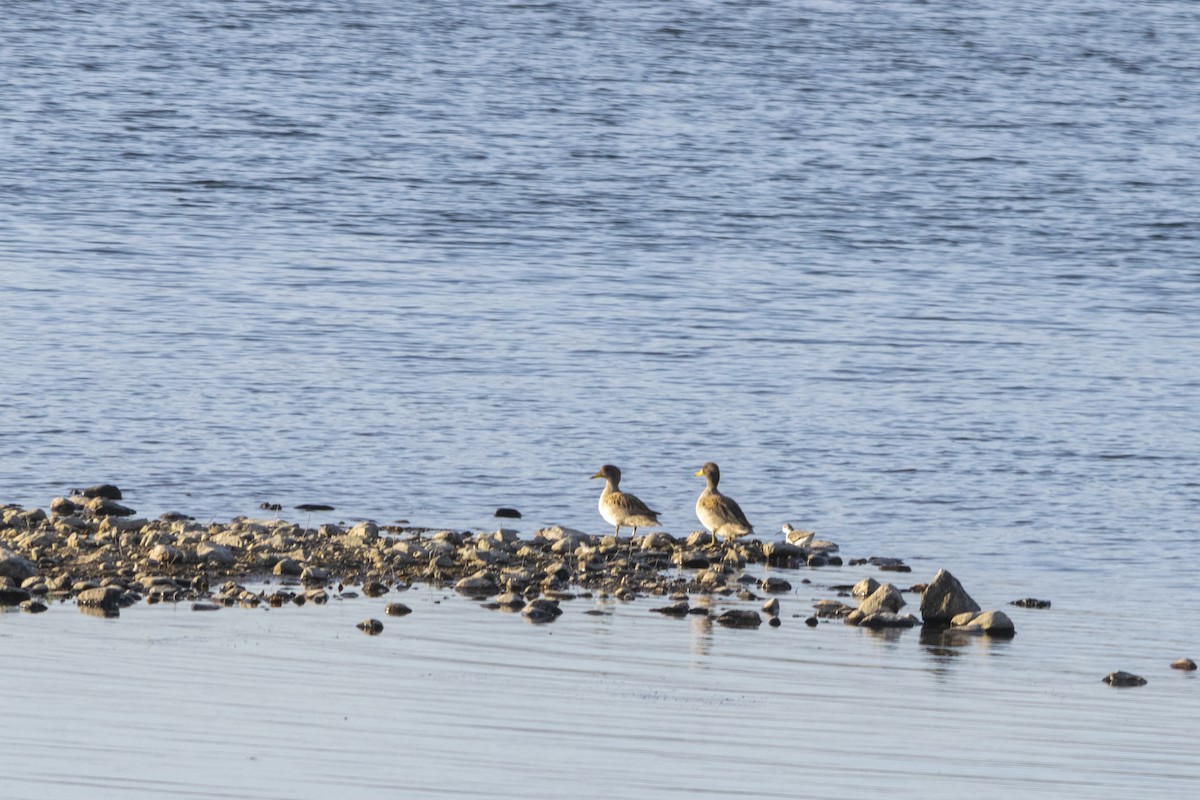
(92,548)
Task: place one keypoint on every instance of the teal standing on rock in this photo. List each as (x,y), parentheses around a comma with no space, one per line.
(621,508)
(719,514)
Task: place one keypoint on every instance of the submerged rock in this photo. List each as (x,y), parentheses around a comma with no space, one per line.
(739,618)
(1123,679)
(542,610)
(1030,602)
(397,610)
(679,609)
(944,599)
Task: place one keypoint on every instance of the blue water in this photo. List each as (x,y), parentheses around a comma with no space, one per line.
(924,277)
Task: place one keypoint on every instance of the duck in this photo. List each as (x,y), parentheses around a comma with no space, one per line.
(721,515)
(622,509)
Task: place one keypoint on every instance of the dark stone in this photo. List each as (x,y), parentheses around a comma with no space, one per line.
(739,618)
(1123,679)
(679,609)
(105,490)
(541,610)
(371,627)
(314,507)
(818,560)
(270,506)
(104,597)
(774,622)
(397,609)
(33,606)
(811,622)
(694,560)
(774,585)
(374,589)
(203,606)
(1185,664)
(63,507)
(107,507)
(507,513)
(12,595)
(895,568)
(1030,602)
(698,611)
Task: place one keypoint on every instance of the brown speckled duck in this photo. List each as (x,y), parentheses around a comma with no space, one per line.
(719,514)
(621,508)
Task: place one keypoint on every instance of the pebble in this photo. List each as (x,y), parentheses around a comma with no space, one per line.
(1123,679)
(371,627)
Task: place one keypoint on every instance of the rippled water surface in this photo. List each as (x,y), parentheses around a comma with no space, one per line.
(922,276)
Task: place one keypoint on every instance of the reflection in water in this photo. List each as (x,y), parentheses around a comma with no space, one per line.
(702,637)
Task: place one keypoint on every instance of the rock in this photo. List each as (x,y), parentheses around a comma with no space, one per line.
(103,490)
(510,601)
(62,507)
(944,598)
(771,607)
(104,507)
(886,619)
(693,559)
(374,589)
(318,596)
(104,597)
(774,622)
(16,566)
(739,618)
(268,506)
(166,554)
(781,553)
(865,588)
(202,606)
(397,610)
(773,584)
(679,609)
(314,507)
(286,566)
(218,554)
(314,575)
(33,606)
(885,598)
(363,532)
(811,622)
(371,627)
(10,593)
(1185,664)
(1030,602)
(832,609)
(507,513)
(481,584)
(542,610)
(993,623)
(1124,679)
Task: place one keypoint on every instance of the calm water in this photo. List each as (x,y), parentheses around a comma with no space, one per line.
(922,276)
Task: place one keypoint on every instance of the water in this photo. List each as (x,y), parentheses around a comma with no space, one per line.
(922,278)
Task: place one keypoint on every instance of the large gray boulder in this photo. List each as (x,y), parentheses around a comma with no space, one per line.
(944,599)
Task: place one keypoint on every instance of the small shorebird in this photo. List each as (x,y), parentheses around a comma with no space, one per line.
(718,513)
(798,538)
(621,508)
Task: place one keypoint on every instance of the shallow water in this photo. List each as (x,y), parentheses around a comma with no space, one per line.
(921,278)
(454,699)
